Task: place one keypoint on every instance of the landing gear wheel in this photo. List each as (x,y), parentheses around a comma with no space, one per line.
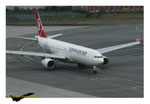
(95,68)
(94,71)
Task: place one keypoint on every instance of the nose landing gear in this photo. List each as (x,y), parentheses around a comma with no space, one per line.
(95,68)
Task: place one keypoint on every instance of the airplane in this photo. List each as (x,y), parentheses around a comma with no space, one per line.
(68,52)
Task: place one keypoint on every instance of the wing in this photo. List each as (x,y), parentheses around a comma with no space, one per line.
(116,47)
(38,54)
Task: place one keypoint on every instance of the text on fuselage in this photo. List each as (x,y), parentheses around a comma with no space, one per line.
(77,51)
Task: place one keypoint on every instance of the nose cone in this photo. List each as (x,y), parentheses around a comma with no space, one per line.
(100,61)
(105,60)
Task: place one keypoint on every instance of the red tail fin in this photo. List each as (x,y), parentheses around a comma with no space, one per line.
(39,25)
(139,40)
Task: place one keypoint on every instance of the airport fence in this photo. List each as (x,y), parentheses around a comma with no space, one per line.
(68,17)
(45,17)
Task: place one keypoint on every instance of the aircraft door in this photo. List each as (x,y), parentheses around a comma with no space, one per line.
(46,48)
(91,58)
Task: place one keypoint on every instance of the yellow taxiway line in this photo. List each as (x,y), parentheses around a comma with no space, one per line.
(137,28)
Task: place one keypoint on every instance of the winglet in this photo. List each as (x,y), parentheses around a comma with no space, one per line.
(39,25)
(139,40)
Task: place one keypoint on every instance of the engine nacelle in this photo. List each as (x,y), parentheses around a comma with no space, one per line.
(106,60)
(48,63)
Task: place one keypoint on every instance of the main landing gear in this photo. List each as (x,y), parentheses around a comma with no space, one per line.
(95,68)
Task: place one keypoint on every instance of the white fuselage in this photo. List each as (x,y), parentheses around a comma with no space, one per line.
(74,53)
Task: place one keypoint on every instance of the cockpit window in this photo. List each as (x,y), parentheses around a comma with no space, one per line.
(98,56)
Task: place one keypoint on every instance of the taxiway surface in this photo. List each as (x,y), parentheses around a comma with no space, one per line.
(122,77)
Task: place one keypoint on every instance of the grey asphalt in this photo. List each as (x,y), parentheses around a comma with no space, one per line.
(122,77)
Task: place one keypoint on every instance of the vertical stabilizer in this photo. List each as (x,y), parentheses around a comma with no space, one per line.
(40,29)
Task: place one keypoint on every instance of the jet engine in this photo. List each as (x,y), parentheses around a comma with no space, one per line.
(48,63)
(106,60)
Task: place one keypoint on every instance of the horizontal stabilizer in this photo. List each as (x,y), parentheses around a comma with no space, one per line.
(26,38)
(53,36)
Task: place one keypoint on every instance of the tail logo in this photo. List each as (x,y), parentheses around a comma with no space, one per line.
(39,26)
